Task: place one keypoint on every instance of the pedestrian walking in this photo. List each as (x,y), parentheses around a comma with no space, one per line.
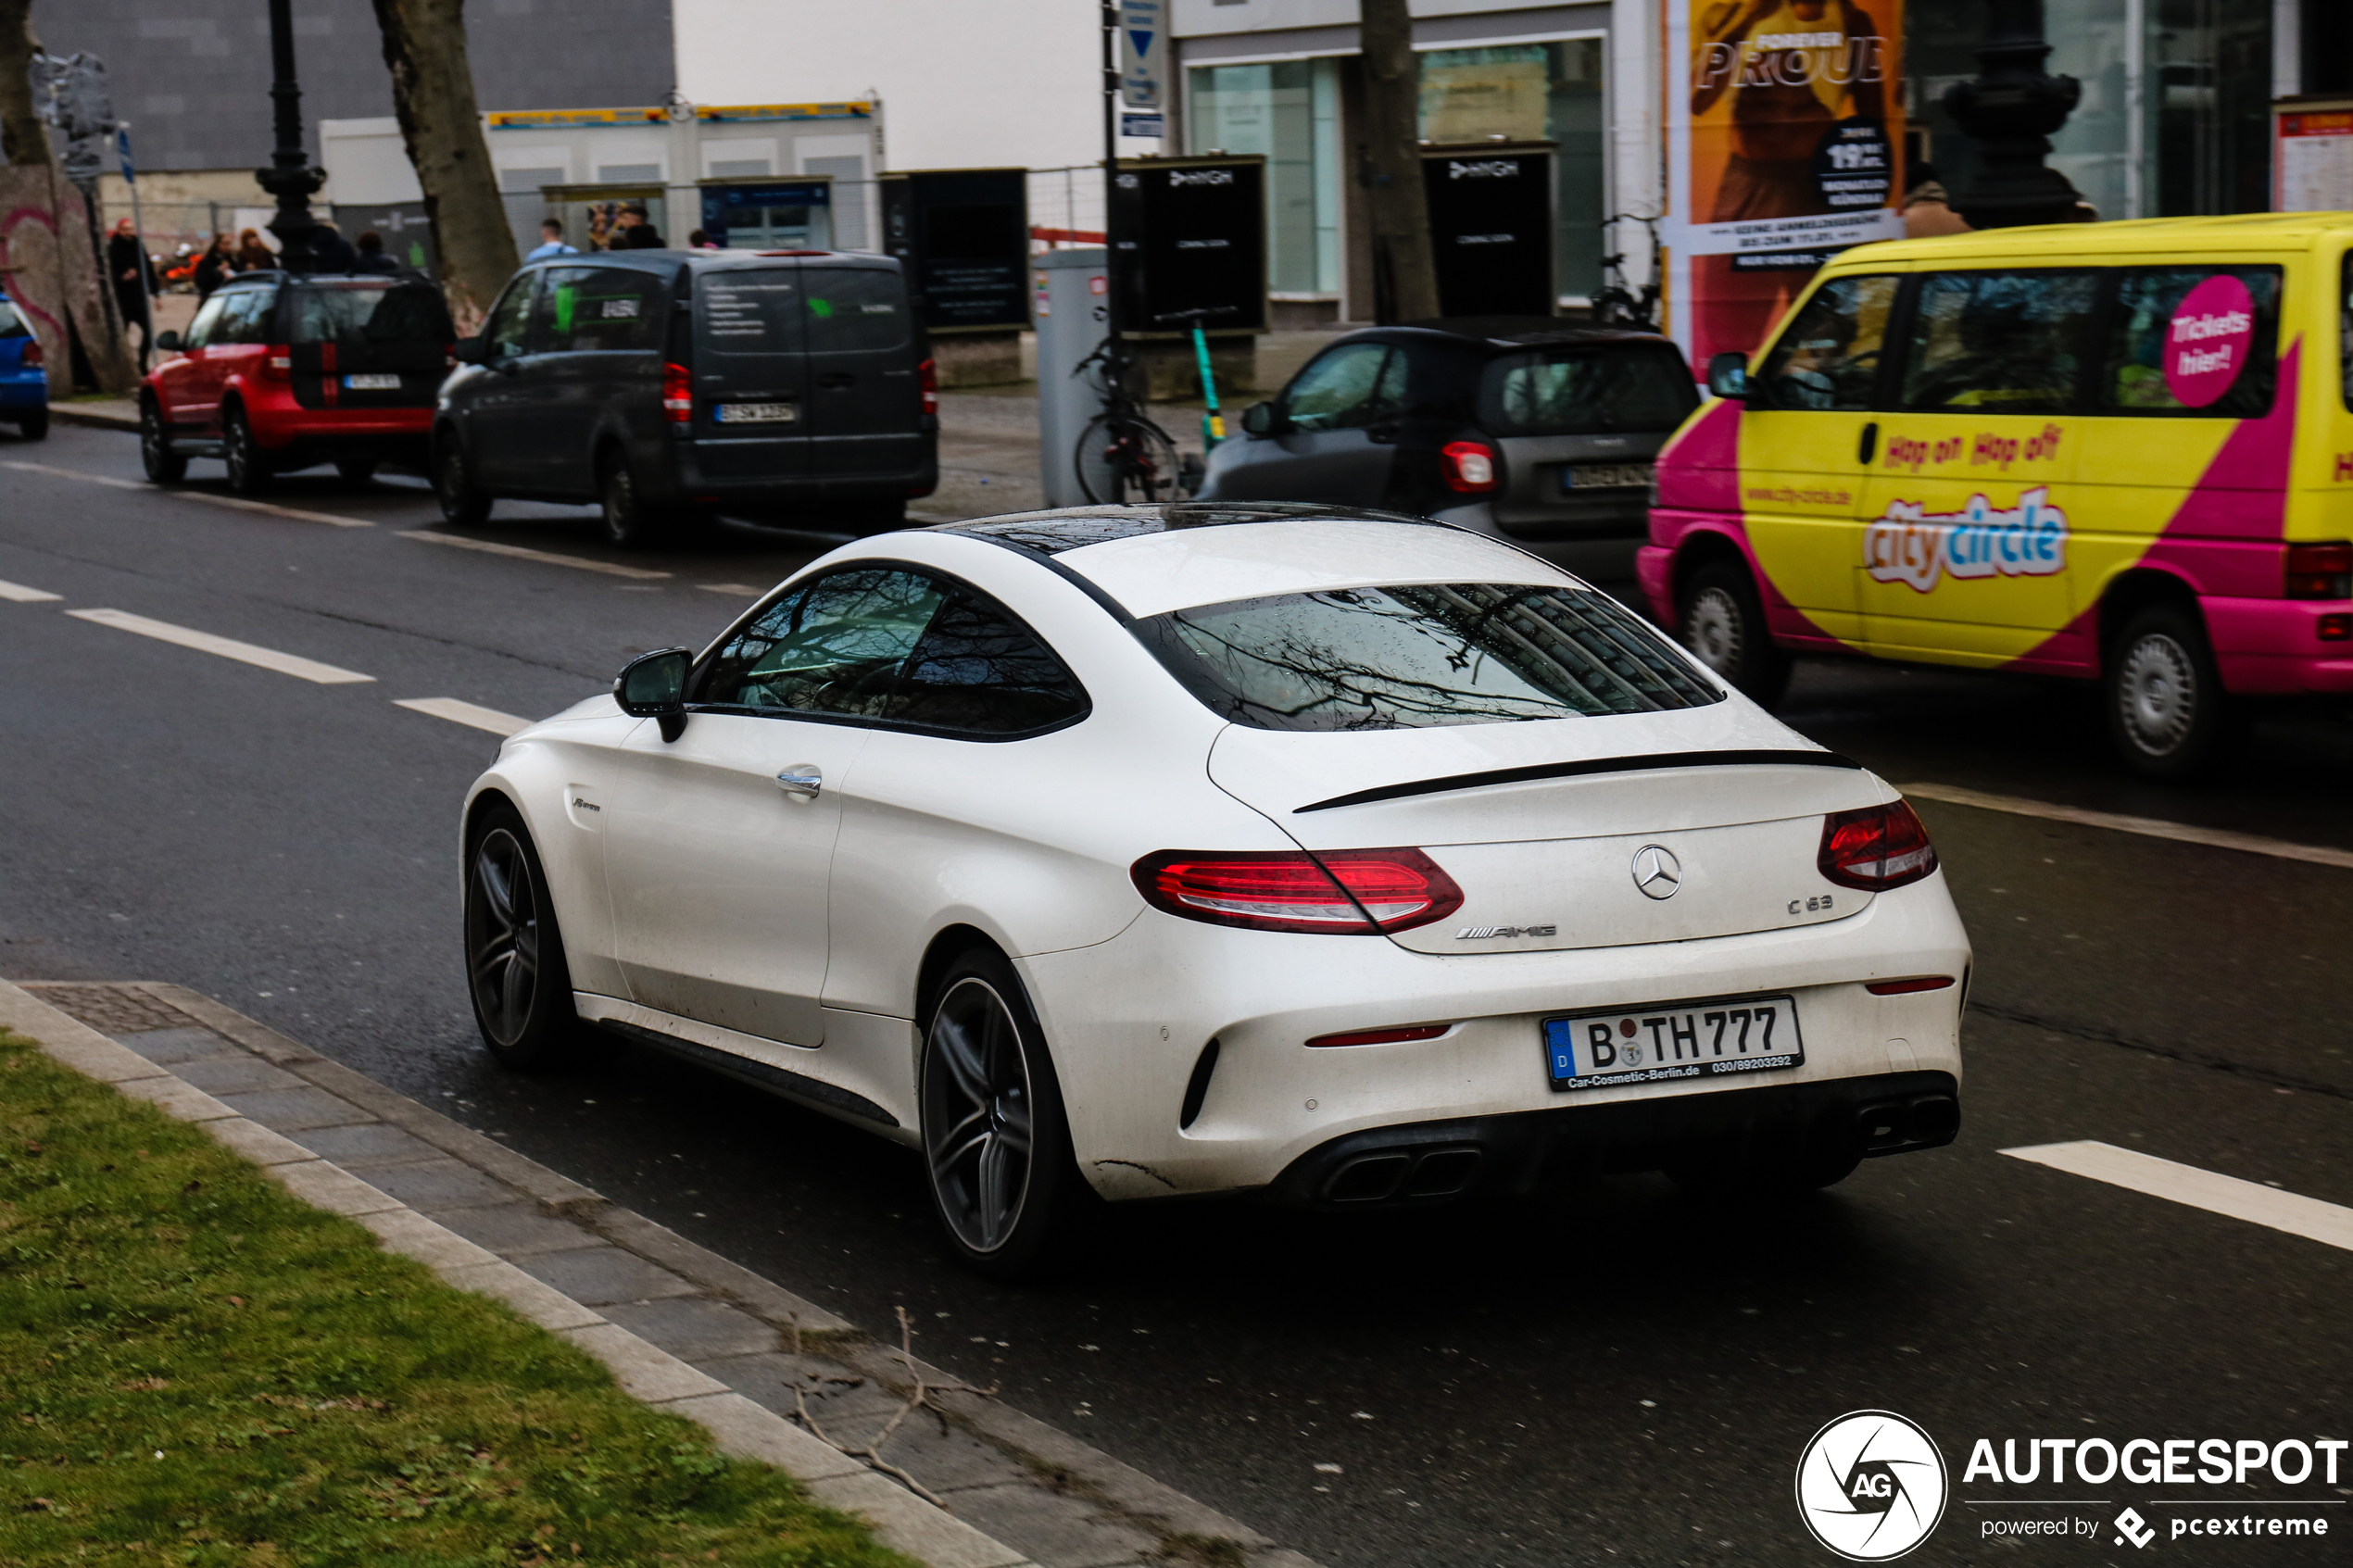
(329,251)
(638,231)
(700,241)
(551,242)
(134,276)
(252,254)
(372,257)
(216,266)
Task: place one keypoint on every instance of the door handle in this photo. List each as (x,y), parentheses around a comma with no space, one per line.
(802,779)
(1867,444)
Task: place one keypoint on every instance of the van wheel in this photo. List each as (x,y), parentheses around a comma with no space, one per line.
(629,522)
(2167,712)
(248,469)
(1721,620)
(164,466)
(462,505)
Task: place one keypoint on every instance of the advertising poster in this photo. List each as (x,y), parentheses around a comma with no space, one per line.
(1785,127)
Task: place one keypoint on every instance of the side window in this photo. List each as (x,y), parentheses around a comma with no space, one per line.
(2003,343)
(2192,340)
(502,333)
(582,309)
(854,309)
(1345,388)
(248,317)
(981,671)
(835,646)
(208,322)
(1829,355)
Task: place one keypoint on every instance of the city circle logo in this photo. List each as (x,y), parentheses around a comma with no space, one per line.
(1872,1485)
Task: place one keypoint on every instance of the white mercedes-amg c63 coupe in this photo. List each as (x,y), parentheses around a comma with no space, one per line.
(1138,852)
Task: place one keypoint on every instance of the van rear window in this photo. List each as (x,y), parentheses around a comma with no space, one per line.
(854,308)
(1582,391)
(12,324)
(2200,340)
(349,314)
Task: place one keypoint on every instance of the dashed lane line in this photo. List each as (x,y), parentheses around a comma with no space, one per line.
(2147,827)
(458,712)
(610,568)
(17,593)
(235,503)
(2329,1223)
(227,647)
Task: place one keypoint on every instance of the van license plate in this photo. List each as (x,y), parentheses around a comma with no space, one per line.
(755,413)
(371,383)
(1605,476)
(1658,1045)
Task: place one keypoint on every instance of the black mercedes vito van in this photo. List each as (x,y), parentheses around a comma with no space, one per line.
(669,386)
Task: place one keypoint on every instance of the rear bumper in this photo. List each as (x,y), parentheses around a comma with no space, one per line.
(2274,647)
(24,390)
(1430,1161)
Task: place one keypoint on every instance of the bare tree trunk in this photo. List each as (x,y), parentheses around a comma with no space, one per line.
(1399,209)
(432,90)
(23,139)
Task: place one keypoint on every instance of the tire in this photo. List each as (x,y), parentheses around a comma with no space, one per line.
(1147,477)
(249,469)
(516,977)
(357,471)
(630,523)
(34,426)
(462,505)
(995,1145)
(164,466)
(2168,715)
(1721,620)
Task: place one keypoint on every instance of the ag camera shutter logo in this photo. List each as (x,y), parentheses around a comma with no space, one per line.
(1872,1485)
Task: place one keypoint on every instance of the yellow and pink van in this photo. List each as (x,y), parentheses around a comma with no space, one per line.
(2120,452)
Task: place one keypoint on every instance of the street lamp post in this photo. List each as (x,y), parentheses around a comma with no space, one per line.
(290,176)
(2009,108)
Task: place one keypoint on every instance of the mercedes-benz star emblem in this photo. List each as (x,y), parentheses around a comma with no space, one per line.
(1656,872)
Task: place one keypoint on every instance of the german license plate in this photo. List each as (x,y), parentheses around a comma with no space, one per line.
(1605,476)
(1678,1040)
(371,383)
(756,413)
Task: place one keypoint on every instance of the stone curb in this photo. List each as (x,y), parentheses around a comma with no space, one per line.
(737,1426)
(97,418)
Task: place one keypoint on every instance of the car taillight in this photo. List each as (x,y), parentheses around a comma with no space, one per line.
(929,372)
(1345,892)
(1876,847)
(1905,987)
(281,361)
(1470,467)
(2319,572)
(677,395)
(32,356)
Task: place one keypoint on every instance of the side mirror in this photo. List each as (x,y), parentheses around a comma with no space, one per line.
(1258,419)
(653,685)
(168,341)
(1728,375)
(470,351)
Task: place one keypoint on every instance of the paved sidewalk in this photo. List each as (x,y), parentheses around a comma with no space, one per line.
(678,1323)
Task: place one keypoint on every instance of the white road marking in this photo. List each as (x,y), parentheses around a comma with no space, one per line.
(227,647)
(237,503)
(743,590)
(17,593)
(2148,827)
(609,568)
(458,712)
(2309,1217)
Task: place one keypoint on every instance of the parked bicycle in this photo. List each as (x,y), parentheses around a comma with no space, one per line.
(1618,305)
(1122,457)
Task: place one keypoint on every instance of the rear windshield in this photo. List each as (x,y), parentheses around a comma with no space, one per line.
(1582,391)
(11,325)
(1403,659)
(855,307)
(397,312)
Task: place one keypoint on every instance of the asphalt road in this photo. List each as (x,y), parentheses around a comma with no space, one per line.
(1603,1374)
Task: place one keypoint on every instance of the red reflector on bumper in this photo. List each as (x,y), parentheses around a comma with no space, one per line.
(1905,987)
(1383,1037)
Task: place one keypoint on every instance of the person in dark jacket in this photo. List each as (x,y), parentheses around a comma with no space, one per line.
(216,266)
(329,251)
(638,231)
(134,280)
(371,247)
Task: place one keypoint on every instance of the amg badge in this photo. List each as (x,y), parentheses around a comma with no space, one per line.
(1484,932)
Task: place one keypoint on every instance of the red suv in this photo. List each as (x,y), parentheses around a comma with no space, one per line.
(279,373)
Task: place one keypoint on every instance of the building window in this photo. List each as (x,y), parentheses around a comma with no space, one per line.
(1534,93)
(1288,111)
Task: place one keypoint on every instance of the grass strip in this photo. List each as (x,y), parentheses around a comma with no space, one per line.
(198,1368)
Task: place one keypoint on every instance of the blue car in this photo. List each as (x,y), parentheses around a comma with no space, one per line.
(24,385)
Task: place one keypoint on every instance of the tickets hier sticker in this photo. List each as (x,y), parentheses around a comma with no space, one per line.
(2207,341)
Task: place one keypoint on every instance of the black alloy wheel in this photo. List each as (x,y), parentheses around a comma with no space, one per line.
(996,1148)
(1721,618)
(2167,712)
(515,970)
(462,505)
(629,522)
(164,466)
(248,469)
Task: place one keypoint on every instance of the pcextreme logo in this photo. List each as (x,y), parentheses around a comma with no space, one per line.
(1872,1485)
